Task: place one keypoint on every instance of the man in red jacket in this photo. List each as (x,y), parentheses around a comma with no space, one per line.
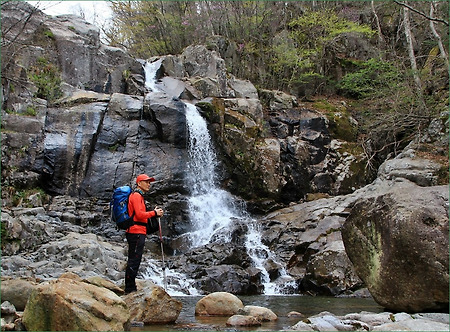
(137,233)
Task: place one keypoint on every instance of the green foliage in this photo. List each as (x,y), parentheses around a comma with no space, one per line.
(113,148)
(48,33)
(376,77)
(30,111)
(19,196)
(296,56)
(47,78)
(314,28)
(150,28)
(126,74)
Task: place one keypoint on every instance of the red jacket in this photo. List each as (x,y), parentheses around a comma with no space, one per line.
(136,205)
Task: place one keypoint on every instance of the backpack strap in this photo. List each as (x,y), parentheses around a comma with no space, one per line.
(140,223)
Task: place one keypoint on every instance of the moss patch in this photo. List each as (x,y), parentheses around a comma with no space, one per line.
(340,119)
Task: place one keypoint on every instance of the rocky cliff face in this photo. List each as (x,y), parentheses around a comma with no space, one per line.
(102,130)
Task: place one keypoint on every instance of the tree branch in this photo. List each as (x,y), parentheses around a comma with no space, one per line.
(421,13)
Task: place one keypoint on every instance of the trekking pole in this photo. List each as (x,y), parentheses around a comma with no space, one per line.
(162,254)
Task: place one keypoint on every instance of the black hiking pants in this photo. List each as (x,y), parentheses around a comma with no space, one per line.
(136,243)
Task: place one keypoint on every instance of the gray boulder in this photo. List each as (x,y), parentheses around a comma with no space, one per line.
(398,243)
(17,291)
(423,172)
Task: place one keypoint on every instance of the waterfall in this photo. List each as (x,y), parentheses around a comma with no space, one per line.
(260,254)
(211,209)
(150,69)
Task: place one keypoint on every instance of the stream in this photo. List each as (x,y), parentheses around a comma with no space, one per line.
(281,305)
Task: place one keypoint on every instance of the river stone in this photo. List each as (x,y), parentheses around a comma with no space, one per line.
(8,308)
(369,321)
(150,304)
(17,291)
(69,305)
(218,304)
(301,326)
(398,243)
(260,313)
(241,320)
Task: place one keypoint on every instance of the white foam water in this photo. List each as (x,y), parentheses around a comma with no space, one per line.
(211,208)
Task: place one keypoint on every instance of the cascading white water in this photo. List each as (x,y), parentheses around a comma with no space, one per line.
(211,208)
(260,254)
(150,69)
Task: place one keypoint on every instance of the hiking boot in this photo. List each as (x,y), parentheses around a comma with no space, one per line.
(130,290)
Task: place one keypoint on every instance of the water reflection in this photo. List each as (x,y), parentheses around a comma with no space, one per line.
(281,305)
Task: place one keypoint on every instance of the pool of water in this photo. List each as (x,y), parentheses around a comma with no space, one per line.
(280,305)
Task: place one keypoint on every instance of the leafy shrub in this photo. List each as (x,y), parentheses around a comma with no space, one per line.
(47,78)
(374,78)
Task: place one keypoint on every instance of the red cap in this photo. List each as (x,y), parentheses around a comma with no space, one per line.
(144,177)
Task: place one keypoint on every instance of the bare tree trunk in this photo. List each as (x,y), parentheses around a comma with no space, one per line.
(412,57)
(380,33)
(436,34)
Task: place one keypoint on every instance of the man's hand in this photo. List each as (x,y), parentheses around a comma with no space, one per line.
(159,212)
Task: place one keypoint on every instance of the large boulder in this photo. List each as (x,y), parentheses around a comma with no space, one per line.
(398,242)
(70,305)
(152,305)
(95,67)
(423,172)
(218,304)
(306,239)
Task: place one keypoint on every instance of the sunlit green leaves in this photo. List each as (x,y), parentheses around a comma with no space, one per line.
(375,78)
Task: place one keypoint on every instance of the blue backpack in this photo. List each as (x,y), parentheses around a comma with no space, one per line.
(119,207)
